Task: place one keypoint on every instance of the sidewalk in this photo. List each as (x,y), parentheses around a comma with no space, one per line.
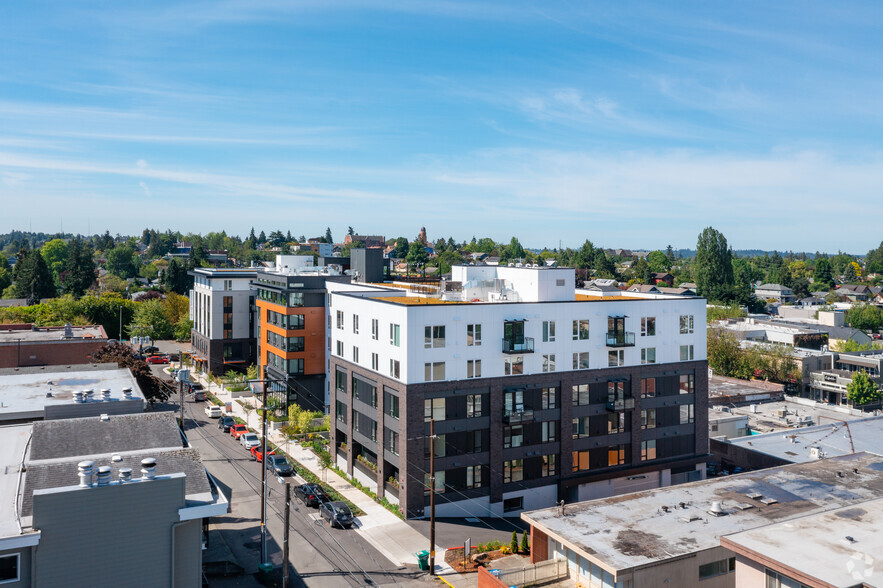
(389,534)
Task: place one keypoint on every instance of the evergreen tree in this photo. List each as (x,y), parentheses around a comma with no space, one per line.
(33,280)
(585,257)
(262,238)
(251,235)
(822,277)
(670,256)
(79,271)
(350,231)
(713,266)
(175,277)
(328,238)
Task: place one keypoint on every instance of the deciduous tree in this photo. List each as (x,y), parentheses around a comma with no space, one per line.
(862,390)
(713,266)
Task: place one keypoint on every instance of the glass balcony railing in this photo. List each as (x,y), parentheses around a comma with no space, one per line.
(518,417)
(519,345)
(620,339)
(621,404)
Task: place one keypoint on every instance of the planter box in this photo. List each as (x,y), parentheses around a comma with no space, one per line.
(341,453)
(364,469)
(390,489)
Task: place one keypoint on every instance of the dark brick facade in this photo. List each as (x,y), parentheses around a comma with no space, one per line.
(681,446)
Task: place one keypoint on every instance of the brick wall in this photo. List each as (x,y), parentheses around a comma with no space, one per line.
(38,353)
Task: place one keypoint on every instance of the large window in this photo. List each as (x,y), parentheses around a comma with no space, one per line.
(580,461)
(580,330)
(616,455)
(434,337)
(391,441)
(550,466)
(513,401)
(549,430)
(549,363)
(9,568)
(721,567)
(549,398)
(514,365)
(581,360)
(365,392)
(648,326)
(686,414)
(686,324)
(473,476)
(548,331)
(473,335)
(648,418)
(648,355)
(473,368)
(434,408)
(391,404)
(394,369)
(474,406)
(581,395)
(686,353)
(616,423)
(340,381)
(394,332)
(686,384)
(365,425)
(434,371)
(615,357)
(648,450)
(513,471)
(513,436)
(648,387)
(340,411)
(580,427)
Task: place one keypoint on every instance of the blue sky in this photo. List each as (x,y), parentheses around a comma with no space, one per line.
(633,124)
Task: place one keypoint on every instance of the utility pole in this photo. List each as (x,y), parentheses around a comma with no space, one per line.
(285,533)
(264,562)
(181,394)
(121,324)
(432,497)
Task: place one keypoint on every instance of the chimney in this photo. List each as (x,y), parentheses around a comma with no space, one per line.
(85,473)
(127,393)
(125,475)
(148,468)
(106,393)
(104,475)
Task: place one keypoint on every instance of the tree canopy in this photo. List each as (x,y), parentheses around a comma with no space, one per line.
(713,266)
(862,390)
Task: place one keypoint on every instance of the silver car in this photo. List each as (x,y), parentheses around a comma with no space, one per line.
(249,440)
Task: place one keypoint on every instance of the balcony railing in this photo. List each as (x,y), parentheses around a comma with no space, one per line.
(621,404)
(521,345)
(519,417)
(620,339)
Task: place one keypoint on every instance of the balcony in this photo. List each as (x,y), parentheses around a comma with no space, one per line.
(621,405)
(620,339)
(519,417)
(523,345)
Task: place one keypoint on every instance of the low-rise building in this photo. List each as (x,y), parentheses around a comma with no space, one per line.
(24,345)
(776,292)
(672,536)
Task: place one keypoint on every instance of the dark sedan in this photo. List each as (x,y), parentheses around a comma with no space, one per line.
(311,494)
(337,513)
(225,422)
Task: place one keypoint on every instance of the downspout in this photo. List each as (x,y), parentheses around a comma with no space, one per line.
(172,559)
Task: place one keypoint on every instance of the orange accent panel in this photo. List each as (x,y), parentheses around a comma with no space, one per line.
(313,334)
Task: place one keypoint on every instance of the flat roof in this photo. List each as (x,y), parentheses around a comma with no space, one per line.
(51,334)
(24,390)
(641,529)
(833,438)
(13,441)
(839,547)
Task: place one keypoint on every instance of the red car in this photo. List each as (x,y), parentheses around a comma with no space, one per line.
(157,359)
(238,430)
(256,453)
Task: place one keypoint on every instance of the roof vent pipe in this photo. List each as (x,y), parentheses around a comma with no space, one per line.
(148,468)
(125,475)
(78,397)
(90,394)
(127,393)
(85,472)
(106,393)
(104,475)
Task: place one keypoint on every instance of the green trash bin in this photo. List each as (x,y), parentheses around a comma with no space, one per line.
(423,560)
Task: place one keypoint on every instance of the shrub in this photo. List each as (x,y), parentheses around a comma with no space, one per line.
(513,544)
(525,543)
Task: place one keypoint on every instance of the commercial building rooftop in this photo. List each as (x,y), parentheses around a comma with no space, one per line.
(26,393)
(13,441)
(839,547)
(835,438)
(27,334)
(639,529)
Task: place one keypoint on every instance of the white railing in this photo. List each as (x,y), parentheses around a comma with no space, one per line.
(539,573)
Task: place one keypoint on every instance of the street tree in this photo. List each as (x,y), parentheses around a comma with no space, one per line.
(152,320)
(862,390)
(124,357)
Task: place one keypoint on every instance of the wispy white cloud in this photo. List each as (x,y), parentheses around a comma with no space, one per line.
(145,189)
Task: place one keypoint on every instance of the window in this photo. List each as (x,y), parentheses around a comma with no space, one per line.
(365,425)
(340,319)
(616,423)
(580,461)
(513,436)
(615,358)
(686,353)
(580,427)
(581,360)
(433,408)
(433,372)
(648,450)
(549,398)
(439,482)
(718,568)
(648,326)
(549,363)
(686,323)
(550,466)
(340,348)
(686,384)
(473,406)
(9,568)
(365,392)
(375,362)
(686,414)
(580,330)
(473,368)
(473,476)
(355,354)
(394,369)
(513,401)
(340,411)
(514,365)
(548,331)
(549,431)
(434,337)
(375,329)
(648,387)
(439,446)
(474,441)
(394,335)
(581,395)
(473,335)
(355,324)
(340,381)
(513,471)
(648,418)
(776,580)
(391,404)
(513,504)
(648,355)
(296,299)
(391,441)
(616,455)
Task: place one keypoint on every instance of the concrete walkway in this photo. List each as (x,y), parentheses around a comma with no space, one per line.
(389,534)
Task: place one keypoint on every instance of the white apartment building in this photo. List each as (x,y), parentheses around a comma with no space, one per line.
(539,392)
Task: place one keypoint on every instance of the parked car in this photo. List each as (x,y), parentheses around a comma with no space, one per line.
(337,513)
(258,455)
(236,431)
(249,440)
(149,350)
(157,359)
(199,396)
(280,465)
(213,412)
(194,386)
(311,494)
(174,357)
(225,422)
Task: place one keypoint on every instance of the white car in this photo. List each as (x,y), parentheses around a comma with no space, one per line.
(249,440)
(213,412)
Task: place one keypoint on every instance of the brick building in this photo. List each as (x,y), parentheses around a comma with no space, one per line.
(24,345)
